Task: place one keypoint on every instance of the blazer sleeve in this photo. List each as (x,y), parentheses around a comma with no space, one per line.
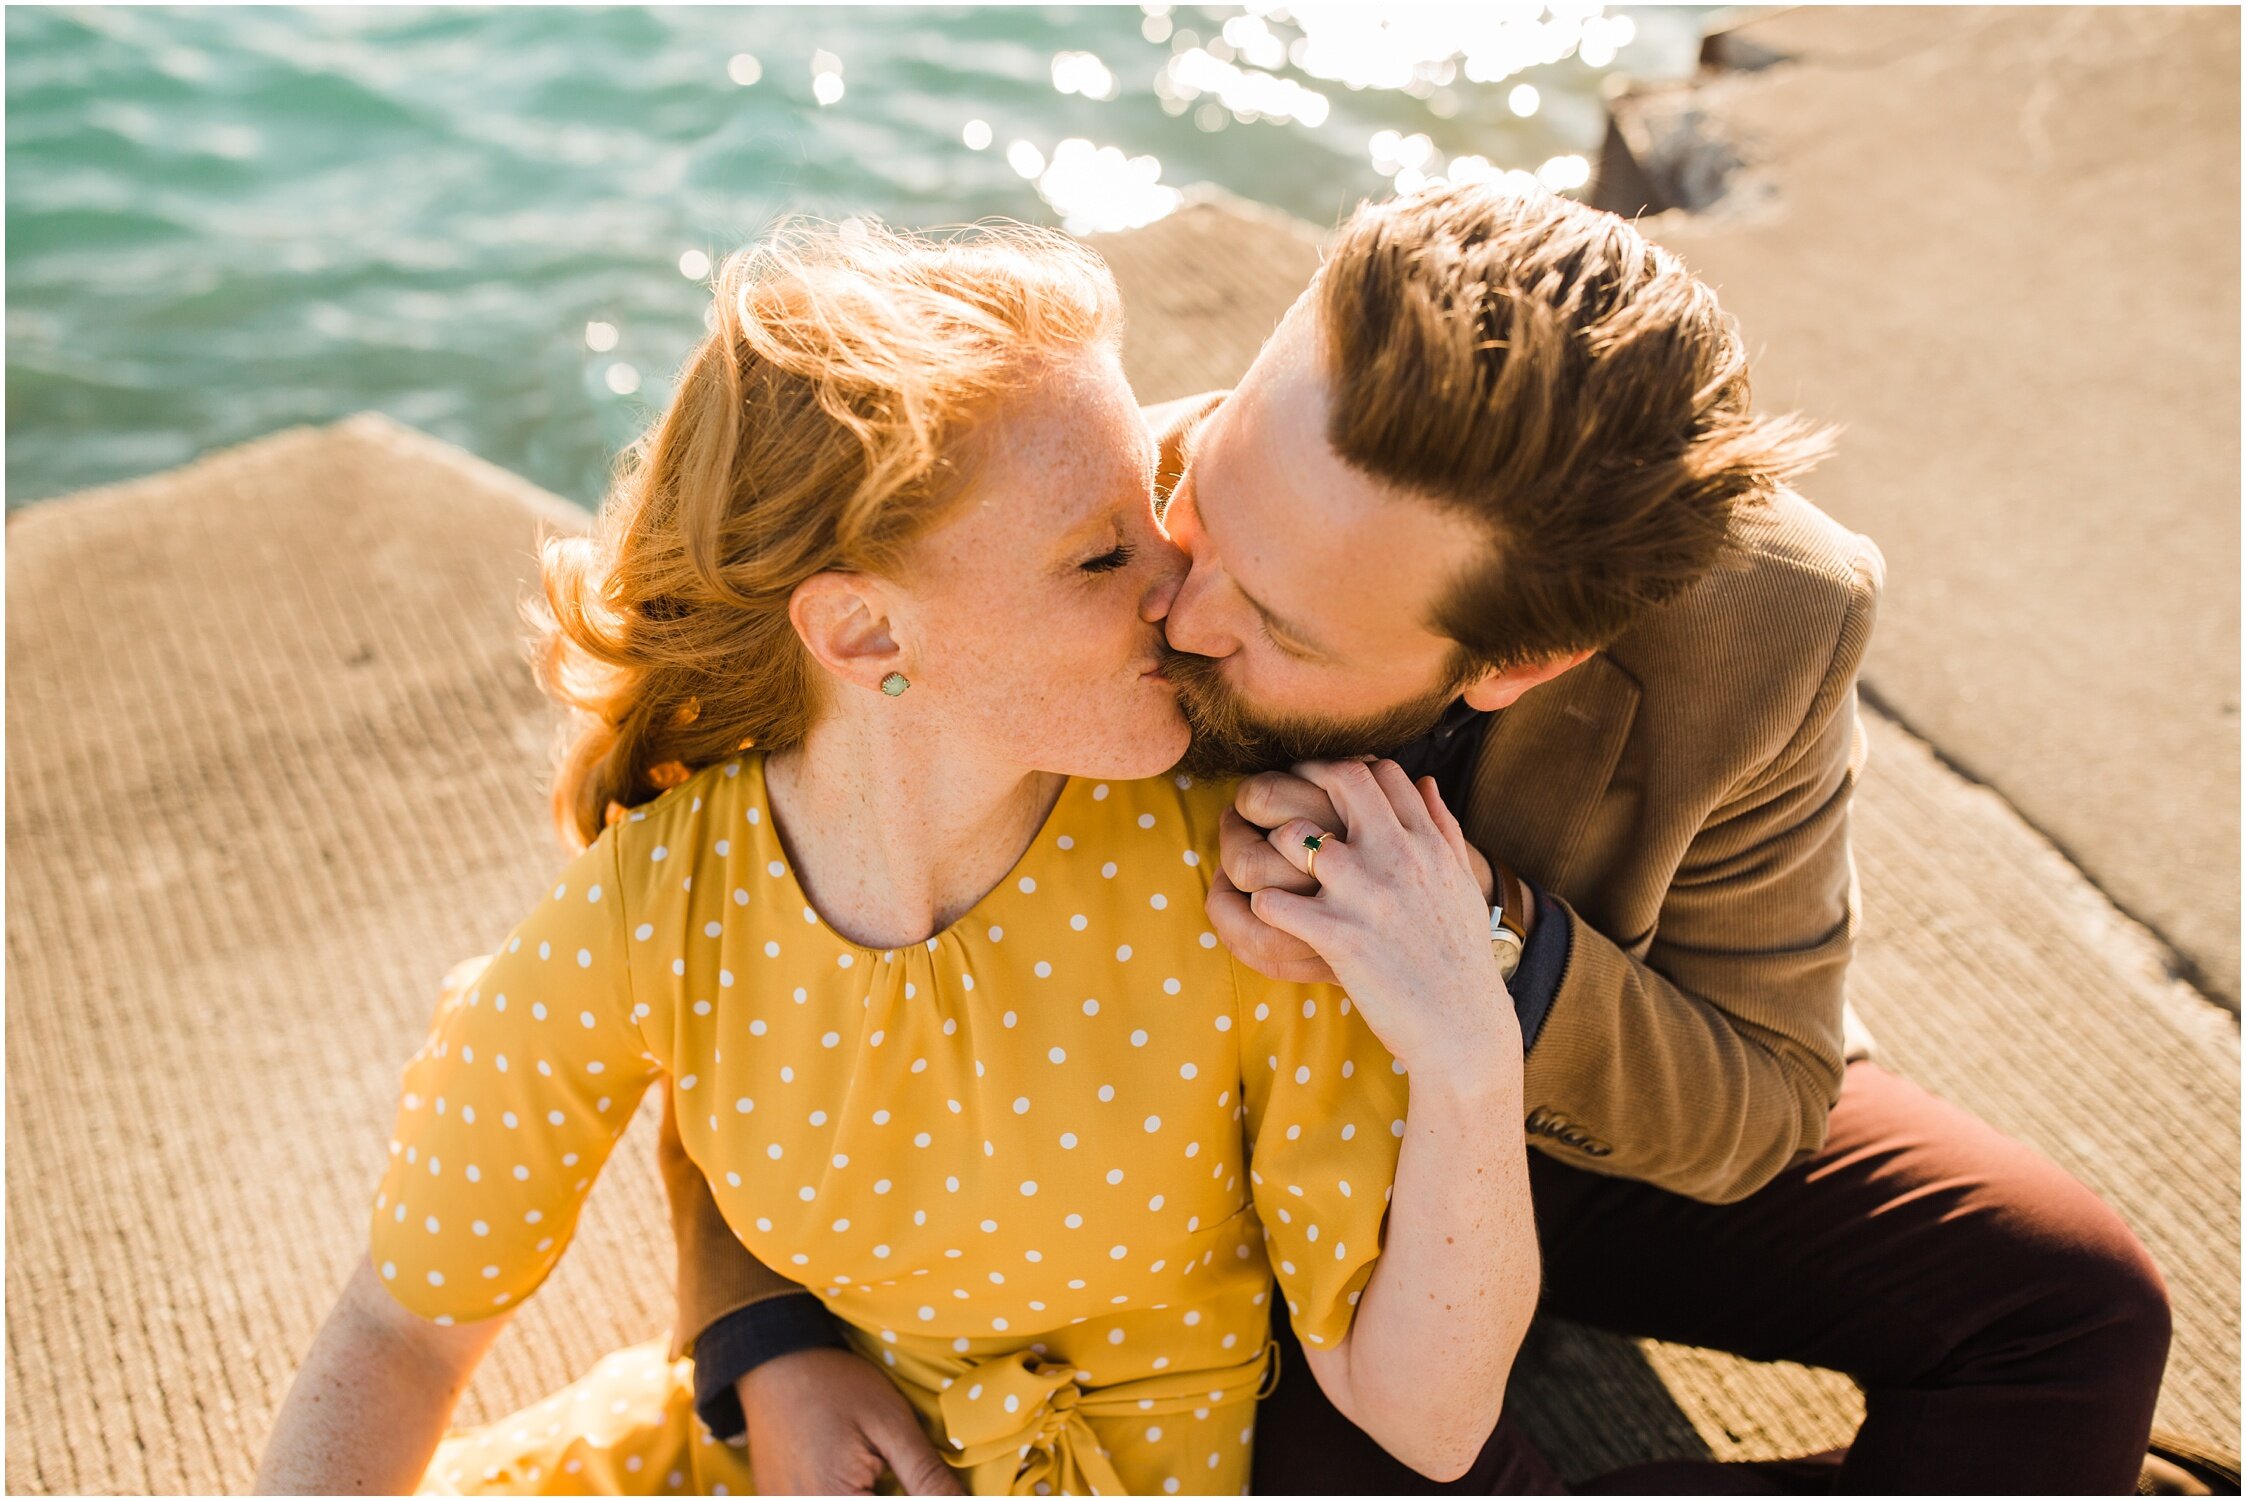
(734,1312)
(717,1276)
(1711,1063)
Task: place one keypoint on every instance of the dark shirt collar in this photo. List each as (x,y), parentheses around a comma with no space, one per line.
(1446,750)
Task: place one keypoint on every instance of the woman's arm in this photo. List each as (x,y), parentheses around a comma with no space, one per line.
(532,1068)
(373,1398)
(1424,1365)
(1400,918)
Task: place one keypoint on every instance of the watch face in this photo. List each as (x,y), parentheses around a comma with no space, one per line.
(1508,951)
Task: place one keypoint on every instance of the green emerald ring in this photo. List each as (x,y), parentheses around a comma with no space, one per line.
(1313,843)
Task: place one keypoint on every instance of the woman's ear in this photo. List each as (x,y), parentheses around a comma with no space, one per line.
(845,621)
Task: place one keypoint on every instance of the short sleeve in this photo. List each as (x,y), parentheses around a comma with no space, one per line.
(530,1073)
(1325,1112)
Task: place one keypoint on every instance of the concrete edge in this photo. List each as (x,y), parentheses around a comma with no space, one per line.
(2153,952)
(384,431)
(1209,195)
(376,429)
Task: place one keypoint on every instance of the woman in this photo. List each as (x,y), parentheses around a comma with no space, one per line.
(917,946)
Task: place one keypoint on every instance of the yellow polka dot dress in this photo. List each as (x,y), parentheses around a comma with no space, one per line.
(1043,1165)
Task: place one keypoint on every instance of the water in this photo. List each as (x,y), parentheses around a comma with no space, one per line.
(488,223)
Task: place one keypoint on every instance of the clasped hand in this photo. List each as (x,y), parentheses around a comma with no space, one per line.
(1397,912)
(1397,915)
(828,1422)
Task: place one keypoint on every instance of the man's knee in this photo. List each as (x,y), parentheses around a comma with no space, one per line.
(2130,1296)
(2096,1296)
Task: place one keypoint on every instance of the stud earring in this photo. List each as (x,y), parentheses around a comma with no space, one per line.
(895,684)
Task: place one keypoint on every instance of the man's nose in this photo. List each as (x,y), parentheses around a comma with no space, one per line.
(1170,566)
(1191,624)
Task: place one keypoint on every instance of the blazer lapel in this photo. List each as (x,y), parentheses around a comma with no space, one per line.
(1545,763)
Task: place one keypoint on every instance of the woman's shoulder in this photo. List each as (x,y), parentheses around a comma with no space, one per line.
(1188,805)
(725,800)
(714,817)
(720,787)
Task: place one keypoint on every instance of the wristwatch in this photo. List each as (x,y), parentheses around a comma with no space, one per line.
(1509,933)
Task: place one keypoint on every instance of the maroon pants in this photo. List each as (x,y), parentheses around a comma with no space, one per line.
(2008,1330)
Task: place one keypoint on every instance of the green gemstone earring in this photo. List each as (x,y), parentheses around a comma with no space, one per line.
(895,684)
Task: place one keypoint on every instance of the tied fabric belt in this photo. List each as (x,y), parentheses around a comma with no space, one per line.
(1017,1423)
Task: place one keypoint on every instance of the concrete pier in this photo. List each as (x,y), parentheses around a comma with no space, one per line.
(276,761)
(2001,246)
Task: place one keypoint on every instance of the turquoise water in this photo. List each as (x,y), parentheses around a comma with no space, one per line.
(488,222)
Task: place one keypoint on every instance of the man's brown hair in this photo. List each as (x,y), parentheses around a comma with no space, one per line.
(1537,364)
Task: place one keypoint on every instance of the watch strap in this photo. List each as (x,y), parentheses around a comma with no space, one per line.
(1508,930)
(1512,900)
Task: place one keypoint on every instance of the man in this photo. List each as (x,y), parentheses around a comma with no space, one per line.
(1492,501)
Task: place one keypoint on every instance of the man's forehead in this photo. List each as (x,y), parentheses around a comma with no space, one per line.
(1274,424)
(1286,384)
(1310,537)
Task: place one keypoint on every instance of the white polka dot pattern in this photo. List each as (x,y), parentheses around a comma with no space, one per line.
(1020,1134)
(528,1077)
(1312,1140)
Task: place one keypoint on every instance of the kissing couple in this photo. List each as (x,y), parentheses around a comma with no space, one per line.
(1164,935)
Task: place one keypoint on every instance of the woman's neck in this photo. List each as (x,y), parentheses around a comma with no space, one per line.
(893,835)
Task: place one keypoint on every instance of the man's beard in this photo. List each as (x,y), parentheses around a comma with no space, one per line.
(1228,740)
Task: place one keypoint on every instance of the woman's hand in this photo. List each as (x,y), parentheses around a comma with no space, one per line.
(1251,940)
(1248,863)
(827,1422)
(1398,916)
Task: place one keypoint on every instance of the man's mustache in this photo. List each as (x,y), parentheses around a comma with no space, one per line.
(1230,739)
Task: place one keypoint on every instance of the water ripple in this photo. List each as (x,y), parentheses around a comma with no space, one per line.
(225,219)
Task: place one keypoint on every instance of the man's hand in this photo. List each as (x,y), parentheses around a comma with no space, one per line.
(1249,864)
(827,1422)
(1398,918)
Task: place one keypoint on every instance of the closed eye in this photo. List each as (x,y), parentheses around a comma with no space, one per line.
(1108,562)
(1263,628)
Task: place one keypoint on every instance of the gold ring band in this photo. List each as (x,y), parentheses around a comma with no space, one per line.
(1313,843)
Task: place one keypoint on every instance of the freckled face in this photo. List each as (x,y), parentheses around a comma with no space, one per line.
(1311,582)
(1035,609)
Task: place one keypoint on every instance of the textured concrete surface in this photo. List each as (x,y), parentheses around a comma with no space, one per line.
(2001,247)
(277,761)
(1203,288)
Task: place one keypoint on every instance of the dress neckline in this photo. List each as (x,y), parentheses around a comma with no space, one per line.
(761,790)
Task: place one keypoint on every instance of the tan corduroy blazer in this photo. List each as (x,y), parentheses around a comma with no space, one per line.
(1685,794)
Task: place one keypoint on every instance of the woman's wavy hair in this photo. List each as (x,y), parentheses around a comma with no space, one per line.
(822,424)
